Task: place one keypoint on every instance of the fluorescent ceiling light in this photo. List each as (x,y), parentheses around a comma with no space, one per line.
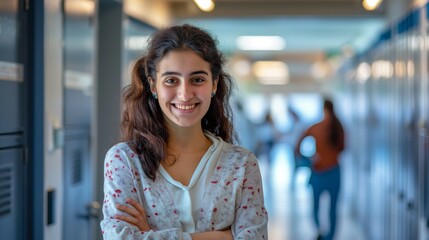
(271,72)
(80,8)
(371,5)
(205,5)
(268,43)
(363,72)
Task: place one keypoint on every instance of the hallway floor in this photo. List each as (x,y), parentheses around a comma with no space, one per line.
(290,205)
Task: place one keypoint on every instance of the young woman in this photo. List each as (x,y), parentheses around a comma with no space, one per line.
(177,175)
(329,138)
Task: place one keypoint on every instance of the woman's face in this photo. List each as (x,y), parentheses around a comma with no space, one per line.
(184,85)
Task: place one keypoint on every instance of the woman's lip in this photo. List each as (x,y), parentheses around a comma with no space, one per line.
(185,106)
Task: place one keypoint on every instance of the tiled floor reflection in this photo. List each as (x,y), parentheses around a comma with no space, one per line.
(290,205)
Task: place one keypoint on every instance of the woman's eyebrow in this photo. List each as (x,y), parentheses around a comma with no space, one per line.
(179,74)
(170,73)
(199,72)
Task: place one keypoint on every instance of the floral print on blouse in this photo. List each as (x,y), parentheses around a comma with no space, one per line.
(233,198)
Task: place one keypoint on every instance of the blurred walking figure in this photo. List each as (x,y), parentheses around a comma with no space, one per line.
(244,127)
(292,137)
(268,136)
(329,139)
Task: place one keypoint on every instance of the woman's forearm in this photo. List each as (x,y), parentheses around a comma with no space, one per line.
(213,235)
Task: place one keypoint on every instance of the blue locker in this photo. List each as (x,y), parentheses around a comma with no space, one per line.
(79,60)
(11,193)
(12,126)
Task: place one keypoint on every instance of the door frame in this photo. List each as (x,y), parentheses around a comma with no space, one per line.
(31,17)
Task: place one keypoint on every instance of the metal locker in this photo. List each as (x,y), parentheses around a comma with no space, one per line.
(80,214)
(12,125)
(77,195)
(12,214)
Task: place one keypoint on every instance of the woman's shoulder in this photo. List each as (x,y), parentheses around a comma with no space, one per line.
(237,161)
(234,150)
(119,147)
(121,151)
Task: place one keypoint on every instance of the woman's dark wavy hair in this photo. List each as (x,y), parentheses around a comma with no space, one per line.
(336,129)
(142,124)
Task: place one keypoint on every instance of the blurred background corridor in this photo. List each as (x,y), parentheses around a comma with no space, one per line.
(63,64)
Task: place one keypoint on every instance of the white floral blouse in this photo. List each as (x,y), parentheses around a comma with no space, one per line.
(233,197)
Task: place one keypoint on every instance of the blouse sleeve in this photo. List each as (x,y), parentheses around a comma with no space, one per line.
(119,184)
(251,217)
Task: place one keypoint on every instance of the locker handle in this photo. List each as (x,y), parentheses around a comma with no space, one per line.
(92,211)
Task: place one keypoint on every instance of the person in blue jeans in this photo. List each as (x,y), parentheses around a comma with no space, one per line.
(328,135)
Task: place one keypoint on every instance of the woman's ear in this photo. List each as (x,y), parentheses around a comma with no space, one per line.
(215,81)
(152,85)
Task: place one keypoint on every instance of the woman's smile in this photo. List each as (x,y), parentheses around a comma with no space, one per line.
(184,107)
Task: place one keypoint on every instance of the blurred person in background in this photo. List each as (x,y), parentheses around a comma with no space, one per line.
(292,136)
(328,135)
(177,174)
(244,127)
(268,135)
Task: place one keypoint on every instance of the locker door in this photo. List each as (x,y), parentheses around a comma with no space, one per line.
(11,190)
(363,154)
(80,212)
(77,197)
(12,97)
(424,154)
(410,114)
(412,123)
(11,77)
(424,127)
(401,145)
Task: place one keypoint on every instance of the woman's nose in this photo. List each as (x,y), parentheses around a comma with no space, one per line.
(185,93)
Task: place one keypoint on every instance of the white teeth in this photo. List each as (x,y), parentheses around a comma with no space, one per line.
(185,107)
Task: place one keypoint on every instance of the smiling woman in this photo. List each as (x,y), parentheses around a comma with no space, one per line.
(177,173)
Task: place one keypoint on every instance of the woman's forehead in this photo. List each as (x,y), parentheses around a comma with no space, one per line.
(182,60)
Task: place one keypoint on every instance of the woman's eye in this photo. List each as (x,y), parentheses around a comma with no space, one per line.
(170,80)
(199,80)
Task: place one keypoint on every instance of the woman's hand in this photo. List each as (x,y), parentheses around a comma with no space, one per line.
(136,214)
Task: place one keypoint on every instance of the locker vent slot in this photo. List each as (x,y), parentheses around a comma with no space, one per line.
(77,167)
(5,190)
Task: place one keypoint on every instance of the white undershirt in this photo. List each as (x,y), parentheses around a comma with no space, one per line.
(189,199)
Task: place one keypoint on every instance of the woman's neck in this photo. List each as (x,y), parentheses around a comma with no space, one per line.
(189,140)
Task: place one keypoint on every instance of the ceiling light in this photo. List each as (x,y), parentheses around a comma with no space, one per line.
(271,72)
(268,43)
(363,72)
(400,68)
(371,5)
(320,70)
(205,5)
(80,8)
(241,68)
(410,68)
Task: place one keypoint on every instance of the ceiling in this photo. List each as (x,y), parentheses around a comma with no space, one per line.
(314,30)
